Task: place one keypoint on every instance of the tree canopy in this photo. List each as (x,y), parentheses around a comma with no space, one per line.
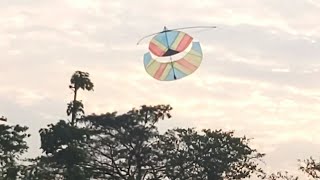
(129,146)
(12,145)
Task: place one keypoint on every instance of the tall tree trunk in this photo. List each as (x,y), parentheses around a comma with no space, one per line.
(74,111)
(139,175)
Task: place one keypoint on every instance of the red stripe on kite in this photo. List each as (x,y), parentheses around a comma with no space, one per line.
(155,49)
(160,71)
(187,65)
(184,43)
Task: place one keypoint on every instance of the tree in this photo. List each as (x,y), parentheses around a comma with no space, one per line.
(123,144)
(12,145)
(188,154)
(311,167)
(281,176)
(79,80)
(64,143)
(2,118)
(129,147)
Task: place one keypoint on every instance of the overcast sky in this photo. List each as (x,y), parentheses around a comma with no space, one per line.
(259,76)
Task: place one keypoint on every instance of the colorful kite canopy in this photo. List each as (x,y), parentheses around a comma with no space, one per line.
(172,44)
(169,43)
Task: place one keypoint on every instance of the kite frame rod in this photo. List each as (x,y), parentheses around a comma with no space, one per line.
(167,30)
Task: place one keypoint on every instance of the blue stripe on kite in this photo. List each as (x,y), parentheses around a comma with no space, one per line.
(162,39)
(146,59)
(170,76)
(172,36)
(196,47)
(179,74)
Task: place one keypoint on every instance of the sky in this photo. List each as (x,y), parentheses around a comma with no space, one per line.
(259,74)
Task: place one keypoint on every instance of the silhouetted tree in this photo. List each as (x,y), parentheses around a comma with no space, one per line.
(2,118)
(12,145)
(129,147)
(64,143)
(79,80)
(188,154)
(123,144)
(281,176)
(311,167)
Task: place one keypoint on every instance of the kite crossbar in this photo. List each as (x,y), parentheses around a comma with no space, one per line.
(167,30)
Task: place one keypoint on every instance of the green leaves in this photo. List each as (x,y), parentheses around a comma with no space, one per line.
(129,146)
(65,144)
(211,154)
(81,80)
(311,167)
(59,136)
(281,176)
(12,146)
(76,108)
(122,145)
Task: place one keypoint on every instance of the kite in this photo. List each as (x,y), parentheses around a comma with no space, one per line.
(184,54)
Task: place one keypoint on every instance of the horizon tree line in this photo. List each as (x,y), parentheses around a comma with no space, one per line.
(129,146)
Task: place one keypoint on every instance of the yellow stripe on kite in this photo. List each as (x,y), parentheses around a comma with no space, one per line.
(152,69)
(195,60)
(160,45)
(182,68)
(177,41)
(166,72)
(193,52)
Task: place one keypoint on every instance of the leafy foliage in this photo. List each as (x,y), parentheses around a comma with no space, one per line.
(129,146)
(57,139)
(75,107)
(12,146)
(65,151)
(188,154)
(81,80)
(311,167)
(281,176)
(65,143)
(122,147)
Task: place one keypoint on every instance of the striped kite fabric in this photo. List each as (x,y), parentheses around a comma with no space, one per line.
(185,55)
(169,43)
(168,71)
